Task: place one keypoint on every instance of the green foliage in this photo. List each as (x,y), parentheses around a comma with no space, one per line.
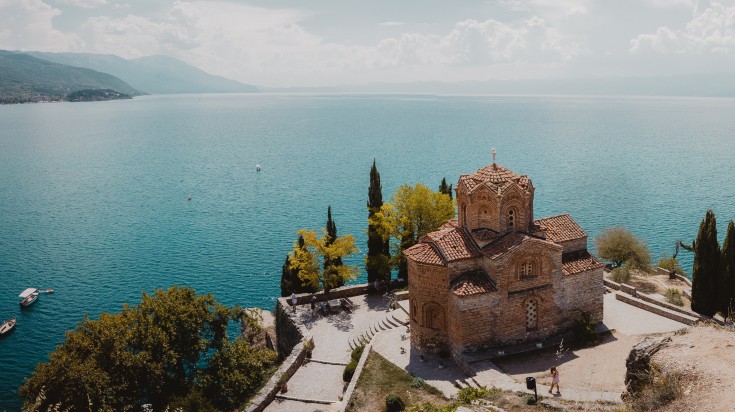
(194,401)
(331,263)
(727,272)
(417,382)
(349,370)
(173,342)
(443,188)
(357,353)
(529,399)
(377,261)
(414,212)
(620,274)
(670,263)
(95,95)
(306,260)
(706,267)
(673,296)
(394,403)
(585,330)
(619,246)
(470,394)
(428,407)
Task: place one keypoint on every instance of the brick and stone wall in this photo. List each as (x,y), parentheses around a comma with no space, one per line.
(581,292)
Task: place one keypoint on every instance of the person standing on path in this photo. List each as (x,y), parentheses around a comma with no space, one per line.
(313,304)
(293,302)
(555,380)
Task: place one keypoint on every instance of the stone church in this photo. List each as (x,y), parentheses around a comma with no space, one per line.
(495,276)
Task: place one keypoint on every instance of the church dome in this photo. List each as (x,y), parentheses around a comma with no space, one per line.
(494,175)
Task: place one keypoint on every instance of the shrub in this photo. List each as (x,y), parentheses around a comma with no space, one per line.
(529,399)
(470,394)
(357,352)
(585,330)
(417,382)
(349,370)
(670,263)
(673,296)
(394,403)
(662,389)
(622,247)
(620,275)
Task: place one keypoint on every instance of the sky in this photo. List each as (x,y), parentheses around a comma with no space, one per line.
(282,43)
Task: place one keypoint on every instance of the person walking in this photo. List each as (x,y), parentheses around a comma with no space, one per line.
(293,302)
(555,380)
(313,304)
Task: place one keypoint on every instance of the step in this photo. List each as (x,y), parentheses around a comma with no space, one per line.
(389,322)
(400,321)
(305,400)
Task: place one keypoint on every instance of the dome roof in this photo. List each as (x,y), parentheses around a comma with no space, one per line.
(495,176)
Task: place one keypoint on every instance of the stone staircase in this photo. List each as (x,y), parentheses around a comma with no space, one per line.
(394,319)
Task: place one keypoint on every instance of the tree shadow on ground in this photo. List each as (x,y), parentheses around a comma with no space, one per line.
(378,302)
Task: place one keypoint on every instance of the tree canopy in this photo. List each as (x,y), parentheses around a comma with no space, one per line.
(620,246)
(315,263)
(172,344)
(706,267)
(413,212)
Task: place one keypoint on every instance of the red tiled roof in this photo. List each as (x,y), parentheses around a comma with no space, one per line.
(484,234)
(424,253)
(561,228)
(580,261)
(473,283)
(504,244)
(494,174)
(454,243)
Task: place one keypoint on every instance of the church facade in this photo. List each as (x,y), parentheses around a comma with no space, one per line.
(496,276)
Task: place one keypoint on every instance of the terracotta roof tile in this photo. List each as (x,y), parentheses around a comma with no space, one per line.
(424,253)
(454,243)
(495,175)
(473,283)
(484,234)
(504,244)
(560,228)
(580,261)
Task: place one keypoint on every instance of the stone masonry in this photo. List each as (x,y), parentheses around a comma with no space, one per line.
(495,276)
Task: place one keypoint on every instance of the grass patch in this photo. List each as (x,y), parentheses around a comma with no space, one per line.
(662,388)
(673,296)
(381,378)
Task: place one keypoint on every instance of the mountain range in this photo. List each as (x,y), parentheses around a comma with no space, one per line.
(152,74)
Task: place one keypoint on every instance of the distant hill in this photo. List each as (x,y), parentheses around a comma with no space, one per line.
(25,78)
(152,74)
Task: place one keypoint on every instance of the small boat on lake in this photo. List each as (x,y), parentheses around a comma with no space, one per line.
(257,167)
(7,327)
(29,296)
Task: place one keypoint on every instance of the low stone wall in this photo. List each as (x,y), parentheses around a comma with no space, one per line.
(344,292)
(402,295)
(654,309)
(662,271)
(612,285)
(268,393)
(669,306)
(288,333)
(350,392)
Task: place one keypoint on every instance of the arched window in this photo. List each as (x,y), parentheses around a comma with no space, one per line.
(511,219)
(527,268)
(531,314)
(434,316)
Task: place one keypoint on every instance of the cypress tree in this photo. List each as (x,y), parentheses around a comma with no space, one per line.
(331,236)
(286,273)
(727,270)
(705,271)
(444,188)
(376,263)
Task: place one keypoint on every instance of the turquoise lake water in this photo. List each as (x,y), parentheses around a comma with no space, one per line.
(93,196)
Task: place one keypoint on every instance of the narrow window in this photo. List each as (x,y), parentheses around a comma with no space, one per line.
(531,314)
(511,219)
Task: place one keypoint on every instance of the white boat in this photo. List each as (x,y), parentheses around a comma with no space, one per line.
(29,296)
(257,167)
(7,327)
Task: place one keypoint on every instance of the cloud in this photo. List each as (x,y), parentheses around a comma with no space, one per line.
(391,23)
(85,4)
(28,25)
(711,30)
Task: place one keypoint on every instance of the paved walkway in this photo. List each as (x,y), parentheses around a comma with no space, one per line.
(318,386)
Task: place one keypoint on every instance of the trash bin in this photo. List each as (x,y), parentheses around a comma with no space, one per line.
(531,383)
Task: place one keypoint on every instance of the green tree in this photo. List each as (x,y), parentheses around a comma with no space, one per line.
(309,261)
(619,246)
(377,261)
(150,353)
(331,264)
(705,270)
(290,281)
(727,270)
(414,212)
(443,188)
(287,286)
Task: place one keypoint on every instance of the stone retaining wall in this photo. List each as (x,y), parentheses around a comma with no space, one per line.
(654,309)
(288,333)
(350,392)
(344,292)
(268,393)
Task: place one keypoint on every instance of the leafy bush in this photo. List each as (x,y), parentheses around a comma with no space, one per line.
(428,407)
(673,296)
(670,263)
(622,247)
(394,403)
(349,370)
(417,382)
(357,352)
(529,399)
(469,394)
(620,275)
(585,330)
